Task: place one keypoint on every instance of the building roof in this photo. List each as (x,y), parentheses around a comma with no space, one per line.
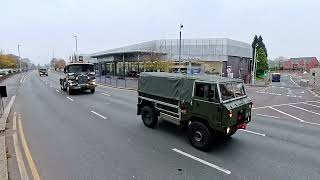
(204,77)
(190,48)
(299,59)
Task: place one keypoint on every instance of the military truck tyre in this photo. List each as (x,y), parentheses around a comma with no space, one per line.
(200,136)
(69,91)
(148,117)
(92,90)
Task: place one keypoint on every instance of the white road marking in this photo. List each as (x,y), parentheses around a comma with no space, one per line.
(286,114)
(276,94)
(306,122)
(57,90)
(311,105)
(21,166)
(252,132)
(293,81)
(22,79)
(267,116)
(262,107)
(70,99)
(14,121)
(106,94)
(103,117)
(304,109)
(202,161)
(51,86)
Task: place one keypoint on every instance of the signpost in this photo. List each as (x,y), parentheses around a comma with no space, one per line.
(3,93)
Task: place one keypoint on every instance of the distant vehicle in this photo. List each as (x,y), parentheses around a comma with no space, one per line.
(132,74)
(210,106)
(276,77)
(79,76)
(43,72)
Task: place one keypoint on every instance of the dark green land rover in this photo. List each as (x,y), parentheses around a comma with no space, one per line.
(209,105)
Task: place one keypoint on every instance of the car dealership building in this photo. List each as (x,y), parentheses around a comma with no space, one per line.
(221,56)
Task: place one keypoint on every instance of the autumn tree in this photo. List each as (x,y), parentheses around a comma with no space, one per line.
(7,61)
(60,64)
(154,59)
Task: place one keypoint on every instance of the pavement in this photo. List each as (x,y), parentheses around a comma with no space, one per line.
(99,136)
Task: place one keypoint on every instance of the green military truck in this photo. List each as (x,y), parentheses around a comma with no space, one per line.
(79,76)
(209,105)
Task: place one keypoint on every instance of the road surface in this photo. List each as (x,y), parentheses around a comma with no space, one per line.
(99,136)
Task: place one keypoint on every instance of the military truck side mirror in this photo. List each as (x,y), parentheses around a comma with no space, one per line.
(64,70)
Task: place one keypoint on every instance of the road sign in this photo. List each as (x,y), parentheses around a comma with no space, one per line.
(3,91)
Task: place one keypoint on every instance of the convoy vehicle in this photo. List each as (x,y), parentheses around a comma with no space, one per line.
(43,71)
(210,106)
(276,77)
(78,76)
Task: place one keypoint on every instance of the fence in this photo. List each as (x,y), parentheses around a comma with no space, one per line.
(129,83)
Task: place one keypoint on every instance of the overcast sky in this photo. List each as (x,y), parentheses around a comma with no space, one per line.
(289,27)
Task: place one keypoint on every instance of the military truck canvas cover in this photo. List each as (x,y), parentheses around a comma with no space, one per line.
(174,86)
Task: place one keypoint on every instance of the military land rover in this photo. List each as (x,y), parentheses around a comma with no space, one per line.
(210,106)
(79,76)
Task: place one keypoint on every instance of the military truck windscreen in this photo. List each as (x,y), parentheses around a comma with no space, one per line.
(231,90)
(80,68)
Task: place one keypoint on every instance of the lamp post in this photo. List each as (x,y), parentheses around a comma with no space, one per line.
(181,26)
(19,58)
(76,38)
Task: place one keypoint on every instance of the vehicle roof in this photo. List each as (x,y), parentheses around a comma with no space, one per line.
(205,77)
(79,63)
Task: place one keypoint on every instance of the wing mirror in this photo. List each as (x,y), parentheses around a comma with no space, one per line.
(64,70)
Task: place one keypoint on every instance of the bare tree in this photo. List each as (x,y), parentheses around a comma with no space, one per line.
(153,60)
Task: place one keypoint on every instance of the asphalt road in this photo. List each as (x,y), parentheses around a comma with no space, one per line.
(99,136)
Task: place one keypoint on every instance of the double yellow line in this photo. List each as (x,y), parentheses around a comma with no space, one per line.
(20,161)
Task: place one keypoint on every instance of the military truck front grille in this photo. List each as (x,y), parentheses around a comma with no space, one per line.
(82,79)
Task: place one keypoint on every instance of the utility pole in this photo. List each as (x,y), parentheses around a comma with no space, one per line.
(253,73)
(19,58)
(181,26)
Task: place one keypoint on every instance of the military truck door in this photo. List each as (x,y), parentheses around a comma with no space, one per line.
(206,103)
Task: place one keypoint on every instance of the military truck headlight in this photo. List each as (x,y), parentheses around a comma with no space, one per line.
(230,113)
(228,130)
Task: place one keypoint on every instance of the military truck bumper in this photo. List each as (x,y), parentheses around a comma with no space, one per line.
(83,86)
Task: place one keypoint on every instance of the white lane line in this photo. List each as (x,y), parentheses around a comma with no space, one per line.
(252,132)
(21,166)
(106,94)
(293,81)
(262,107)
(51,86)
(57,90)
(14,121)
(202,161)
(306,122)
(311,105)
(286,114)
(304,109)
(22,79)
(267,116)
(103,117)
(70,99)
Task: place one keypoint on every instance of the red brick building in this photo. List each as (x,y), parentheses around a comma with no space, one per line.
(301,63)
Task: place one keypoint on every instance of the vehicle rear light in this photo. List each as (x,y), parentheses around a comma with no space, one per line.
(230,113)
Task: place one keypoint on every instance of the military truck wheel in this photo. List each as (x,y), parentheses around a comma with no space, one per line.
(148,117)
(69,91)
(92,90)
(200,136)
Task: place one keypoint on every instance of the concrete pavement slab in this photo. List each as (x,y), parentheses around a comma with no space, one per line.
(3,159)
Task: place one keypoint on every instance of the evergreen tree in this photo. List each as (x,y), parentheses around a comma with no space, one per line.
(262,62)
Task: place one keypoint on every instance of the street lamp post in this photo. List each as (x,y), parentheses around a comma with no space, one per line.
(181,26)
(76,38)
(19,58)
